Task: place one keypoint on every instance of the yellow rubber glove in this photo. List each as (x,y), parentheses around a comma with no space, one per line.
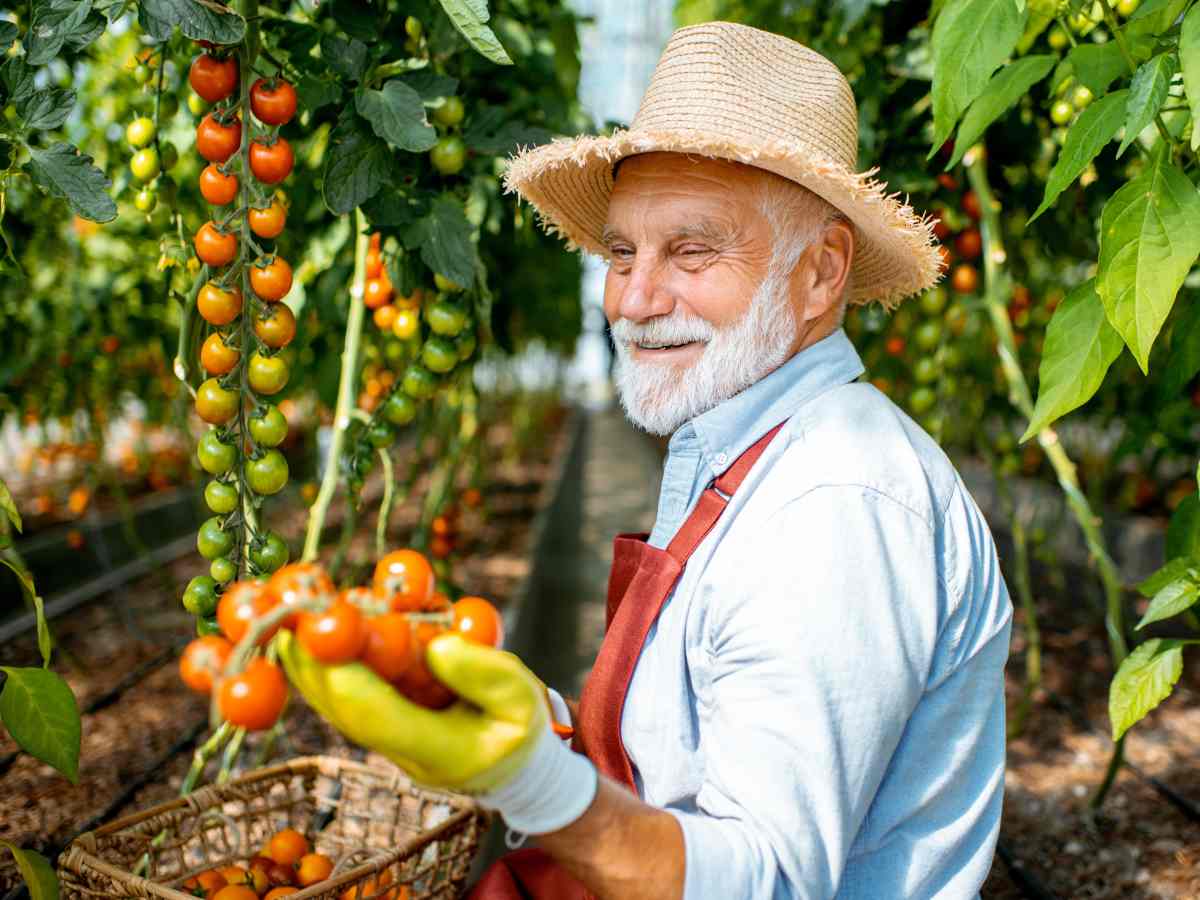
(496,741)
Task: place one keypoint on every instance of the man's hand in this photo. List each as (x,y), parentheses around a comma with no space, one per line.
(495,741)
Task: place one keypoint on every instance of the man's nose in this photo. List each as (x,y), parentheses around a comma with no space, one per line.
(644,294)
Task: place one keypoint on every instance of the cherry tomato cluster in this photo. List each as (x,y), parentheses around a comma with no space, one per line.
(241,299)
(285,865)
(151,156)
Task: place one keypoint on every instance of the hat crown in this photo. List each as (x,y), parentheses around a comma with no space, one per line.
(751,86)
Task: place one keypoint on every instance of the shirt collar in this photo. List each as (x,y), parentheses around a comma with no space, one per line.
(726,431)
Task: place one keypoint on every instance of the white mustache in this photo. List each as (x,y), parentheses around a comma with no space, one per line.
(675,329)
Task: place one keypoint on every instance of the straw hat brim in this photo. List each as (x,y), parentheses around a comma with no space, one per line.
(569,182)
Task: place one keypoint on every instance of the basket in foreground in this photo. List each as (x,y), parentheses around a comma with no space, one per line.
(390,839)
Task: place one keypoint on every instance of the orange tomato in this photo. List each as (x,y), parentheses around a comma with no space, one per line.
(287,847)
(313,867)
(243,602)
(206,884)
(384,316)
(478,621)
(217,357)
(202,662)
(235,892)
(336,635)
(389,650)
(298,583)
(417,683)
(406,578)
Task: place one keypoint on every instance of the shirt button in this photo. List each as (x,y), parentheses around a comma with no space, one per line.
(721,459)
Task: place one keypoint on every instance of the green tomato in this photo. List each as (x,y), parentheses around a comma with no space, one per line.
(267,474)
(268,428)
(1061,112)
(221,498)
(208,626)
(926,370)
(446,319)
(399,409)
(449,113)
(922,400)
(439,355)
(448,155)
(215,456)
(1126,8)
(465,343)
(928,335)
(1082,96)
(419,382)
(952,357)
(271,554)
(444,284)
(140,132)
(933,301)
(223,570)
(380,435)
(267,374)
(1058,38)
(145,165)
(145,200)
(200,596)
(142,73)
(212,540)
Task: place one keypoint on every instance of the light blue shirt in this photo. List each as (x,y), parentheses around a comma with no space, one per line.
(821,701)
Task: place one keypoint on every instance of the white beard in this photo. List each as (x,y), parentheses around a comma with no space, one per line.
(658,397)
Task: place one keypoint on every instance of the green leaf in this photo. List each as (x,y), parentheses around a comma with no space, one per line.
(53,22)
(393,209)
(37,872)
(1080,346)
(1183,531)
(1173,599)
(8,34)
(23,575)
(1097,65)
(1184,360)
(45,642)
(1149,238)
(64,172)
(971,39)
(1172,571)
(16,78)
(39,711)
(444,236)
(397,115)
(1189,59)
(1143,681)
(8,506)
(46,109)
(1146,96)
(430,85)
(357,164)
(1094,128)
(315,93)
(1005,88)
(200,21)
(489,131)
(1147,25)
(359,20)
(469,17)
(346,56)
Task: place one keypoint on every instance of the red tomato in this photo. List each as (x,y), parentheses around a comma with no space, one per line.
(217,357)
(217,141)
(216,187)
(216,248)
(218,305)
(243,602)
(271,161)
(299,583)
(254,698)
(271,278)
(378,291)
(203,661)
(267,222)
(212,78)
(406,578)
(417,682)
(276,326)
(336,635)
(390,647)
(478,621)
(274,101)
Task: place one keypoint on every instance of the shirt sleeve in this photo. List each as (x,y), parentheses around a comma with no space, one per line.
(818,663)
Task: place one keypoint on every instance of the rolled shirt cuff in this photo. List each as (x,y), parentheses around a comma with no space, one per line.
(553,789)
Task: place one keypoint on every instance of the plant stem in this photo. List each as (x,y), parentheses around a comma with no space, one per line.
(203,754)
(385,503)
(345,397)
(232,751)
(1114,26)
(997,285)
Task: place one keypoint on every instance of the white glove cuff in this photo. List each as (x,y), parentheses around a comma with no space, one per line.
(553,789)
(559,711)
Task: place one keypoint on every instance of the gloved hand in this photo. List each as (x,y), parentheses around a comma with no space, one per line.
(496,741)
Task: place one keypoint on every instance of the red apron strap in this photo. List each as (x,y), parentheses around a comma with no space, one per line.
(713,501)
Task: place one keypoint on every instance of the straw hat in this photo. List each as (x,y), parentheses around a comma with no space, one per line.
(737,93)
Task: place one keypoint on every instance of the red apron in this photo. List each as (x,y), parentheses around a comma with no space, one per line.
(639,583)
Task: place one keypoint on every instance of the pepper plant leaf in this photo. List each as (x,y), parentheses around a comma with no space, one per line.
(1171,600)
(37,872)
(1189,62)
(1143,681)
(1146,96)
(1005,88)
(1094,128)
(39,711)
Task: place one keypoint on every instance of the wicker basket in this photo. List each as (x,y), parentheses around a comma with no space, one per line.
(380,829)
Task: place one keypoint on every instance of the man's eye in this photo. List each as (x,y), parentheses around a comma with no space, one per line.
(620,252)
(693,250)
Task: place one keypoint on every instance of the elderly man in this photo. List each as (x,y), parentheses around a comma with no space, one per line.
(800,692)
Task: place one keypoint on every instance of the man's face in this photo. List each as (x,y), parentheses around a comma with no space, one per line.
(695,317)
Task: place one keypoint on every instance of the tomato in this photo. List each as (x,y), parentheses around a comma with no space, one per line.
(377,292)
(222,570)
(200,596)
(1061,112)
(399,409)
(926,370)
(1082,97)
(412,301)
(216,187)
(271,278)
(221,498)
(271,161)
(478,621)
(267,374)
(206,626)
(928,335)
(271,555)
(282,891)
(380,435)
(299,583)
(214,404)
(215,456)
(933,301)
(268,427)
(389,648)
(253,699)
(215,247)
(336,635)
(242,603)
(406,579)
(374,263)
(940,229)
(268,221)
(970,205)
(276,326)
(239,876)
(286,847)
(440,547)
(212,78)
(140,132)
(384,317)
(922,400)
(444,284)
(145,164)
(969,244)
(448,155)
(894,345)
(273,102)
(472,497)
(450,113)
(1126,8)
(212,540)
(964,279)
(267,474)
(445,318)
(197,105)
(465,344)
(419,382)
(218,305)
(217,357)
(236,892)
(216,141)
(313,867)
(405,324)
(376,888)
(439,355)
(145,200)
(417,683)
(202,662)
(206,884)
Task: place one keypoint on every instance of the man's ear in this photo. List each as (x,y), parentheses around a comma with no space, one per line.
(821,274)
